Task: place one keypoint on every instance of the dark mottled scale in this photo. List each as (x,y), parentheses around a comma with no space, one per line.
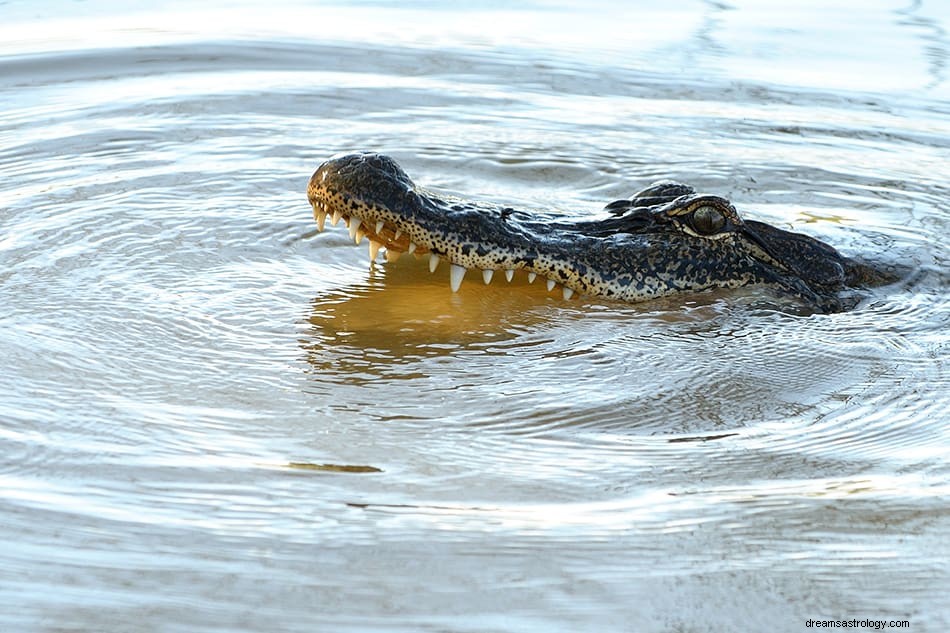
(666,238)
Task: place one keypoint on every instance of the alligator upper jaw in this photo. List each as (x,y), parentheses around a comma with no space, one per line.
(377,200)
(633,257)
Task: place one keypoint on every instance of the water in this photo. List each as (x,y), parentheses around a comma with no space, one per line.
(215,419)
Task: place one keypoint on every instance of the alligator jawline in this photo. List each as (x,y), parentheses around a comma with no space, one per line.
(653,246)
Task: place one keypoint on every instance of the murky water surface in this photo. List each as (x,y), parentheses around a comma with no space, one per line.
(214,418)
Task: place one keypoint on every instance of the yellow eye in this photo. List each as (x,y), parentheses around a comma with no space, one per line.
(707,220)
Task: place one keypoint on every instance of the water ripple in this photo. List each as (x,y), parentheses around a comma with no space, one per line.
(176,335)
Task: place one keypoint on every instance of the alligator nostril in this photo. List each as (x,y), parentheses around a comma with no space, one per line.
(639,251)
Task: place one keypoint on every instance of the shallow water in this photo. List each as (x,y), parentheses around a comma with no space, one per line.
(217,419)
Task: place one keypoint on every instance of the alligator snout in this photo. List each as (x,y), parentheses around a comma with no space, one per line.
(663,240)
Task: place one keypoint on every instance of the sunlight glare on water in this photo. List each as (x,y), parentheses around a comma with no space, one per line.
(216,418)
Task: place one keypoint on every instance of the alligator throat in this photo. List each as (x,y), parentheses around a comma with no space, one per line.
(664,240)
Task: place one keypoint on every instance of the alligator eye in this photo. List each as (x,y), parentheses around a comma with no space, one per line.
(707,220)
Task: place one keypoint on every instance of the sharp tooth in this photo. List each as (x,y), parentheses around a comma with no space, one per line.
(551,284)
(567,292)
(509,274)
(354,227)
(455,276)
(486,275)
(392,255)
(379,227)
(335,218)
(359,235)
(532,277)
(346,221)
(397,235)
(412,247)
(373,250)
(433,262)
(320,217)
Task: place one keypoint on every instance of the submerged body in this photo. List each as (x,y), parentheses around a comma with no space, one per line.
(666,239)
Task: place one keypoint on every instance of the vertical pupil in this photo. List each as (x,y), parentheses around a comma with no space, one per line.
(708,220)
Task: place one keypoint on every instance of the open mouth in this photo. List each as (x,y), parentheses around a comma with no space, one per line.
(392,241)
(665,239)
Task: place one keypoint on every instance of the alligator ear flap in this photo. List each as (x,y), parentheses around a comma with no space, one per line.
(660,192)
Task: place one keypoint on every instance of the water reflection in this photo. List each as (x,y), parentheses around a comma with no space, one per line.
(197,399)
(523,361)
(935,44)
(401,314)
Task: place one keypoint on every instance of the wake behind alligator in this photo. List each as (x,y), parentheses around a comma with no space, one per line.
(663,240)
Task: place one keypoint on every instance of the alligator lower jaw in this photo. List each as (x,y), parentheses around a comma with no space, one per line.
(383,234)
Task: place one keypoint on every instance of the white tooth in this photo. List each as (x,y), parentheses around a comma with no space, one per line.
(397,235)
(354,227)
(321,218)
(379,227)
(433,262)
(373,250)
(334,220)
(392,255)
(509,274)
(455,276)
(567,292)
(486,275)
(532,277)
(551,285)
(359,235)
(412,247)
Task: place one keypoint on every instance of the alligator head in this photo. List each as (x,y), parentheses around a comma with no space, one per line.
(665,239)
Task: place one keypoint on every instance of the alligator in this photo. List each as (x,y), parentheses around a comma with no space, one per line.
(663,240)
